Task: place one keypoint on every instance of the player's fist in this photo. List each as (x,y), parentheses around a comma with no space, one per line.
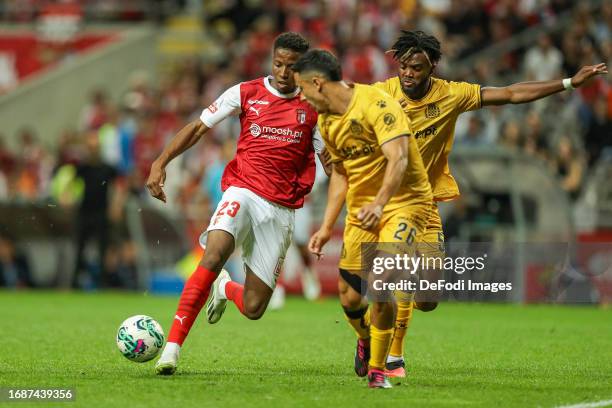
(155,182)
(587,72)
(318,241)
(370,215)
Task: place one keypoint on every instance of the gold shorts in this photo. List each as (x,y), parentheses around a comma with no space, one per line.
(402,228)
(432,244)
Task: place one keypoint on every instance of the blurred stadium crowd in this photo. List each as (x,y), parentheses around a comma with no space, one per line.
(566,132)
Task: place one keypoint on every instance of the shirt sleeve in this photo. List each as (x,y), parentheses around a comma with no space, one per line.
(467,96)
(333,153)
(227,104)
(381,85)
(388,120)
(317,140)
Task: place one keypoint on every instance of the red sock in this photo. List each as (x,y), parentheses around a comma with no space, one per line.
(192,299)
(234,292)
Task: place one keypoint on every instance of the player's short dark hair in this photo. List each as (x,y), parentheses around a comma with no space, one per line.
(291,41)
(320,61)
(411,42)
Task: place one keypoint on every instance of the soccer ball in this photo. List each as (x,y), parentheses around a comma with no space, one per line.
(140,338)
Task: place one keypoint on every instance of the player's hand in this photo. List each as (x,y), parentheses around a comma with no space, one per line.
(318,241)
(370,215)
(155,182)
(587,72)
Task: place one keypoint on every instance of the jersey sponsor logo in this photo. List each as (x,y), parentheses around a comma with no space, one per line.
(213,108)
(300,116)
(274,133)
(430,131)
(255,130)
(432,111)
(355,151)
(257,102)
(381,104)
(254,110)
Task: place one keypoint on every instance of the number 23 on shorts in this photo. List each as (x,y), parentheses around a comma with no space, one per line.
(227,208)
(234,206)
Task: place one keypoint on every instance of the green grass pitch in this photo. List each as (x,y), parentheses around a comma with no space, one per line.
(458,356)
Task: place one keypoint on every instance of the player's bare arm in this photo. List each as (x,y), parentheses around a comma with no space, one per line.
(396,153)
(338,186)
(325,159)
(184,139)
(524,92)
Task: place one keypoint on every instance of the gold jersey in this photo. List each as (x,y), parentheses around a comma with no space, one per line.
(372,118)
(433,119)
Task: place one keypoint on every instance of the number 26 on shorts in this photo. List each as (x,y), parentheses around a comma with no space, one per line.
(400,231)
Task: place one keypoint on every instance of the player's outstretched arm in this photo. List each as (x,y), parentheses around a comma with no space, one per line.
(524,92)
(338,186)
(184,139)
(396,153)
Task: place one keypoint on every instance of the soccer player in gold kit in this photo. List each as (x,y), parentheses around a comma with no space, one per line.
(433,105)
(378,170)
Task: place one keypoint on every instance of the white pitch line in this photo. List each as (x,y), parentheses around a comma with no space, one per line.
(596,404)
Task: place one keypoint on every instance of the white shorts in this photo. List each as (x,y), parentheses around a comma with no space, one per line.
(261,228)
(303,225)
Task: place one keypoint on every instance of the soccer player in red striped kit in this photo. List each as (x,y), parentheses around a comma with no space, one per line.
(273,170)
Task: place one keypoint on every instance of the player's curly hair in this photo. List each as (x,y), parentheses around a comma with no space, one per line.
(321,61)
(411,42)
(291,41)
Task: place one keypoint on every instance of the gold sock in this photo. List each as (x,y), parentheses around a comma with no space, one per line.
(380,341)
(402,322)
(359,321)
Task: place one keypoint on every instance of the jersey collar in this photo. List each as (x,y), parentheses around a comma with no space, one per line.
(275,92)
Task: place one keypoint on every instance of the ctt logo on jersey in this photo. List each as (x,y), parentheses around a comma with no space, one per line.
(300,116)
(255,130)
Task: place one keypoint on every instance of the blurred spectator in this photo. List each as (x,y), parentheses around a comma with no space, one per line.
(33,169)
(211,182)
(95,113)
(543,61)
(475,133)
(534,139)
(570,167)
(599,132)
(7,159)
(511,136)
(14,265)
(92,219)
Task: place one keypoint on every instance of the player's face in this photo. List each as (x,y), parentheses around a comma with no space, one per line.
(282,61)
(311,92)
(414,73)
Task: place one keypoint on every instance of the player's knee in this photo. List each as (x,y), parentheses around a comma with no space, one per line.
(426,306)
(349,298)
(254,309)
